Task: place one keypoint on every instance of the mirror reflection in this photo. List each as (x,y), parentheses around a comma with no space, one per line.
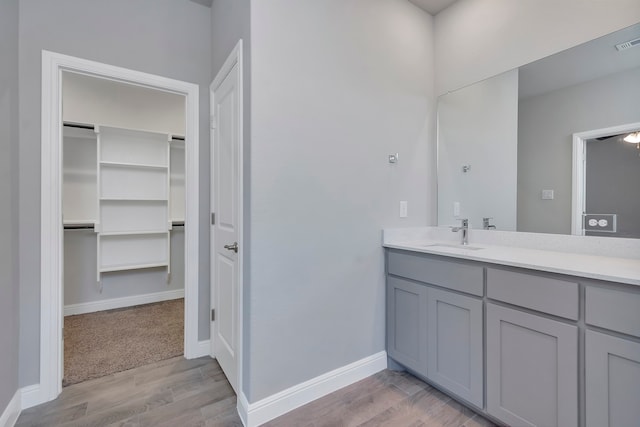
(612,197)
(508,146)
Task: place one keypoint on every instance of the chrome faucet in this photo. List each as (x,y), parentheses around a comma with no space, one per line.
(464,227)
(486,224)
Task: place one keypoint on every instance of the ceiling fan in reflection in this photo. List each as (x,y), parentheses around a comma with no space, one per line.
(631,137)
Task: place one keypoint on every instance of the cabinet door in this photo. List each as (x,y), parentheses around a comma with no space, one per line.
(455,344)
(407,323)
(612,381)
(532,369)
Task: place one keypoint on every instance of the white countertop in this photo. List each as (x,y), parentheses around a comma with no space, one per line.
(616,269)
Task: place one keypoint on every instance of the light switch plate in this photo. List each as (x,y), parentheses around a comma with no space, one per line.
(404,209)
(547,194)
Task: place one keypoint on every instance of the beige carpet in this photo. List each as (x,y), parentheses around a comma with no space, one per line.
(99,344)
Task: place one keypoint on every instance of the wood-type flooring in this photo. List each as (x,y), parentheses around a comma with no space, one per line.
(189,393)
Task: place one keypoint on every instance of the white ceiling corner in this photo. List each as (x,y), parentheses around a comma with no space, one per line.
(206,3)
(433,6)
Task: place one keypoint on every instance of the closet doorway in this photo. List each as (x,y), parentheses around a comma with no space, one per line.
(123,216)
(120,195)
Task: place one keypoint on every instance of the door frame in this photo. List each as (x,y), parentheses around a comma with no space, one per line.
(51,232)
(235,57)
(578,181)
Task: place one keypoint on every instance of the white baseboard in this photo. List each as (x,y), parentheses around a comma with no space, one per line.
(31,396)
(262,411)
(243,408)
(202,349)
(109,304)
(12,411)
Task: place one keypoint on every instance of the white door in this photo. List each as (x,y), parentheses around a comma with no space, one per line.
(225,237)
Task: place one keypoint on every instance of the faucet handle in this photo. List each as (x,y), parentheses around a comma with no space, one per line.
(464,225)
(486,223)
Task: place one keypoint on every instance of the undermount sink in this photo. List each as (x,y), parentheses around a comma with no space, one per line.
(452,246)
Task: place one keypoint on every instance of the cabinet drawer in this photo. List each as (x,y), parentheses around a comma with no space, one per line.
(552,296)
(613,309)
(452,275)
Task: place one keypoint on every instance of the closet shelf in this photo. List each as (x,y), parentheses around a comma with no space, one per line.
(132,199)
(72,222)
(80,172)
(122,267)
(131,233)
(133,165)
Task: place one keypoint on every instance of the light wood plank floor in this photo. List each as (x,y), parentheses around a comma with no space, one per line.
(190,393)
(390,399)
(174,392)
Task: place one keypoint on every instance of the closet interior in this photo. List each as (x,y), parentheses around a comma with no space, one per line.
(123,214)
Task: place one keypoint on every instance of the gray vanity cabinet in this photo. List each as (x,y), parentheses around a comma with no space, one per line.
(433,328)
(455,344)
(612,381)
(505,340)
(532,369)
(612,363)
(407,323)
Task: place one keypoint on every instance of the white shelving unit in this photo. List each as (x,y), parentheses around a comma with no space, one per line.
(79,177)
(133,200)
(177,180)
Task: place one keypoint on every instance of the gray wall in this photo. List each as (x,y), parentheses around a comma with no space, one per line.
(336,87)
(171,38)
(614,164)
(92,100)
(230,22)
(80,267)
(546,124)
(9,195)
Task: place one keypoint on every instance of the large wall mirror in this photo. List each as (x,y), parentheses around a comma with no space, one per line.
(548,147)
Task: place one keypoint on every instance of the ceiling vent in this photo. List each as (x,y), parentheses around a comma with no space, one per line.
(629,44)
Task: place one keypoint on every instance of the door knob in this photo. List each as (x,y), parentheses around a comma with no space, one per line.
(233,247)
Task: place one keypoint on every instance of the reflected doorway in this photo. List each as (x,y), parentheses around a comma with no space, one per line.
(606,176)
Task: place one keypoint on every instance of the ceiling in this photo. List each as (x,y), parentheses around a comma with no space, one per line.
(583,63)
(433,6)
(206,3)
(430,6)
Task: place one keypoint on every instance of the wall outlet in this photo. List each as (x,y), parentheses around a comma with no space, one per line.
(601,223)
(456,209)
(403,209)
(547,194)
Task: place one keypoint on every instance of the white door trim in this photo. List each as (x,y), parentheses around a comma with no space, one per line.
(578,180)
(51,237)
(235,57)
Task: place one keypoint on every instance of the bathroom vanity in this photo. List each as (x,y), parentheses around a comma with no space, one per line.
(527,336)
